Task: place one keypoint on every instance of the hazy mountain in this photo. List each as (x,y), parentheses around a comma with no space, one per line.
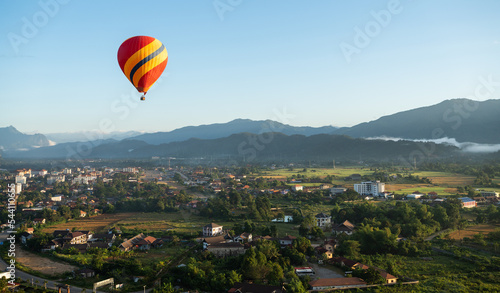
(249,147)
(67,150)
(462,119)
(220,130)
(12,139)
(89,136)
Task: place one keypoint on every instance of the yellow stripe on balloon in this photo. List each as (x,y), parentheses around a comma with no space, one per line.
(139,55)
(149,65)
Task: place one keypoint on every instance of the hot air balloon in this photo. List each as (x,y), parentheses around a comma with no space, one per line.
(142,60)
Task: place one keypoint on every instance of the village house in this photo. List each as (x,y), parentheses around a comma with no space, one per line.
(330,245)
(38,221)
(25,236)
(244,237)
(353,265)
(212,229)
(52,245)
(226,249)
(85,273)
(149,242)
(75,238)
(323,220)
(320,250)
(344,227)
(287,240)
(415,195)
(468,202)
(141,242)
(216,240)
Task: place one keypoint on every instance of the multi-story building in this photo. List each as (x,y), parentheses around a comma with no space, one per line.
(212,229)
(323,220)
(370,188)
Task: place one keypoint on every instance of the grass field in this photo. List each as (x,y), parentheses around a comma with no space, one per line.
(317,172)
(447,179)
(438,274)
(424,188)
(96,224)
(471,231)
(443,183)
(440,177)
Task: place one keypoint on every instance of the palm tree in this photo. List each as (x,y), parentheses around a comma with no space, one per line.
(45,284)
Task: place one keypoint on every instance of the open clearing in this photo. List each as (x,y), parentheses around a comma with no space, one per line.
(471,231)
(42,264)
(443,179)
(96,224)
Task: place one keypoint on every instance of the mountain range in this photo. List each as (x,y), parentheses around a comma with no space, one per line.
(12,139)
(462,119)
(246,147)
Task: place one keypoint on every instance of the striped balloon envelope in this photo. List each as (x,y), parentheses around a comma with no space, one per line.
(142,60)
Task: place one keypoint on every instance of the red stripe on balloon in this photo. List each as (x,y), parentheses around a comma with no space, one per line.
(130,46)
(148,79)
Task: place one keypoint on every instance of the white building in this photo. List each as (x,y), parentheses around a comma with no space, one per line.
(489,193)
(370,188)
(323,220)
(297,188)
(212,229)
(84,179)
(57,197)
(21,179)
(18,188)
(415,195)
(337,190)
(53,179)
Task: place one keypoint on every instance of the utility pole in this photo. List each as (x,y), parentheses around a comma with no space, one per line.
(333,164)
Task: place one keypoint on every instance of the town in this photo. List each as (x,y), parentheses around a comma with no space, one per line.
(247,229)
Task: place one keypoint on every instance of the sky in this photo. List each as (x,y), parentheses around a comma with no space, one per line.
(302,63)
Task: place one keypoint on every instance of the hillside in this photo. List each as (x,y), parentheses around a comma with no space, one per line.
(248,147)
(12,139)
(462,119)
(220,130)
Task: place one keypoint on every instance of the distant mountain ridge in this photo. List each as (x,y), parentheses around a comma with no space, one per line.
(220,130)
(64,137)
(246,147)
(12,139)
(462,119)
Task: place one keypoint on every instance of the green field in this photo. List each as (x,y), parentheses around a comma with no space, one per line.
(443,183)
(438,274)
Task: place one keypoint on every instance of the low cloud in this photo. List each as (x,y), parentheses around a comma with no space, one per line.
(470,147)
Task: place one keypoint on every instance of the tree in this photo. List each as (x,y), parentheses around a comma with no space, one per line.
(295,286)
(281,216)
(349,248)
(302,244)
(275,274)
(317,233)
(370,276)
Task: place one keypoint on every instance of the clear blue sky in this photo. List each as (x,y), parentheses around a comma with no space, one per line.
(228,59)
